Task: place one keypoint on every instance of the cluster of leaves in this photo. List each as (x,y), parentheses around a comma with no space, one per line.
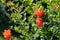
(18,16)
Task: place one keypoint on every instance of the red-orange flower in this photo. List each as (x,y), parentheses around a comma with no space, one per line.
(39,22)
(55,6)
(39,13)
(7,34)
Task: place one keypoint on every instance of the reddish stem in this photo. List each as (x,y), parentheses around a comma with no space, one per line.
(7,39)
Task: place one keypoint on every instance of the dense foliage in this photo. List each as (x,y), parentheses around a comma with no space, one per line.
(21,17)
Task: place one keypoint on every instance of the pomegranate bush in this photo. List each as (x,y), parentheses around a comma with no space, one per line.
(30,19)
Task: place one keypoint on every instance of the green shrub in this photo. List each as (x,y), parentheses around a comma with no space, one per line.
(18,16)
